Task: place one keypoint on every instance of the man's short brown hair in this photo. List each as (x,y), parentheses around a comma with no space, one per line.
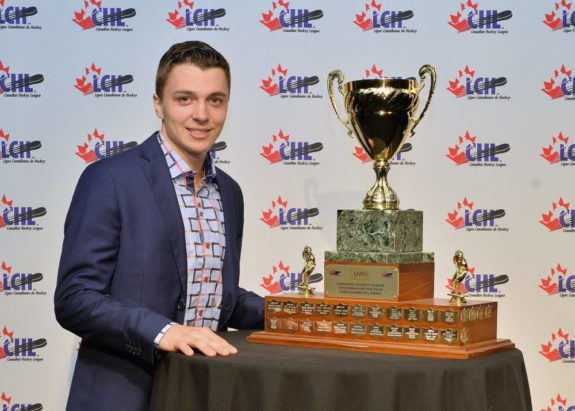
(197,53)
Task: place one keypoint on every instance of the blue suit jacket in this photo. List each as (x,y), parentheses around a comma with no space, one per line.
(123,274)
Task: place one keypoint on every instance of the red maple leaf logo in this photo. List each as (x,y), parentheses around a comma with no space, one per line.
(550,152)
(553,87)
(83,18)
(177,20)
(271,18)
(362,20)
(269,85)
(458,21)
(87,151)
(373,72)
(4,68)
(4,135)
(456,86)
(551,349)
(551,219)
(271,151)
(548,285)
(271,282)
(361,155)
(454,218)
(4,397)
(269,217)
(457,153)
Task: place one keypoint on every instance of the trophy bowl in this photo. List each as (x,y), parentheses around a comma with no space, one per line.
(381,115)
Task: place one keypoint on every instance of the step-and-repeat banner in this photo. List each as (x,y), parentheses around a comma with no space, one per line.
(490,164)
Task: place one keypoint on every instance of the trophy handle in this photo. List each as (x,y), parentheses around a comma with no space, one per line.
(337,74)
(433,76)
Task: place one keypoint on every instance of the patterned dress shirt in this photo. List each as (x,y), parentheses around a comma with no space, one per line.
(203,217)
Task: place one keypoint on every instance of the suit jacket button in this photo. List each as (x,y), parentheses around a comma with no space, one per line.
(181,306)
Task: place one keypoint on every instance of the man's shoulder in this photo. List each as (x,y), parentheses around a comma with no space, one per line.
(132,157)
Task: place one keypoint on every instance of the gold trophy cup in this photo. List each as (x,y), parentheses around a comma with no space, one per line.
(380,113)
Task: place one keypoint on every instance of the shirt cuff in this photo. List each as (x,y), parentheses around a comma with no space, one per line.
(161,334)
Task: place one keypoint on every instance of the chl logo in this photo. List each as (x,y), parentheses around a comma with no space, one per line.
(471,17)
(560,85)
(14,217)
(281,16)
(372,17)
(479,219)
(559,151)
(11,82)
(96,147)
(18,348)
(186,16)
(560,347)
(468,151)
(559,217)
(279,215)
(279,83)
(480,285)
(281,279)
(467,84)
(94,82)
(104,18)
(558,282)
(17,281)
(8,404)
(16,149)
(282,149)
(561,17)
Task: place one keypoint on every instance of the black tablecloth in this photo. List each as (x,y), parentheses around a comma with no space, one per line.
(274,377)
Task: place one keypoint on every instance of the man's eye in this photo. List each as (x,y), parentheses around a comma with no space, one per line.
(183,99)
(217,100)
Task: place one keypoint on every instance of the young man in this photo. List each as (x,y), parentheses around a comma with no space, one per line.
(150,260)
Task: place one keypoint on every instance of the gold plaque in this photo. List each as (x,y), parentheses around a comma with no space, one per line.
(362,280)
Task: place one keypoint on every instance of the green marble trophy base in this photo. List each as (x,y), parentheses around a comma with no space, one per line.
(379,255)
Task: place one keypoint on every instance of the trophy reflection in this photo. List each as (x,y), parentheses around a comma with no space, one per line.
(380,113)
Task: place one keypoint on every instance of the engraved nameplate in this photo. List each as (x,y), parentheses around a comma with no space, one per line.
(361,280)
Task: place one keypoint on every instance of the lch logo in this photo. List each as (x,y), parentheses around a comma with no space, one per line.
(290,19)
(17,17)
(293,86)
(93,15)
(18,151)
(19,283)
(103,85)
(561,17)
(467,84)
(11,404)
(380,20)
(293,218)
(96,147)
(559,282)
(559,151)
(470,17)
(475,219)
(188,15)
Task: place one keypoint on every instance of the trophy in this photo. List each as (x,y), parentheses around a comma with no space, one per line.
(379,282)
(380,113)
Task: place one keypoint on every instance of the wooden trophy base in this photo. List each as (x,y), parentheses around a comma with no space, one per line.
(428,327)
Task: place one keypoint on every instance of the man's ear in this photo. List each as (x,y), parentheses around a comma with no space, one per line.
(158,107)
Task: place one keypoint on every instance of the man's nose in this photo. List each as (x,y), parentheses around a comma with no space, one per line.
(200,111)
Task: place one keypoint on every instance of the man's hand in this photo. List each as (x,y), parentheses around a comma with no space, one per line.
(182,338)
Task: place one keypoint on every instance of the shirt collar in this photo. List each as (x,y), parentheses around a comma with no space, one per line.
(179,169)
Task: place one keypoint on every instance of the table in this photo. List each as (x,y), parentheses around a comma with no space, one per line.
(272,377)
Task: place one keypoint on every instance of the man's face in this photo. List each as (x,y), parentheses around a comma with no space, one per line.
(193,109)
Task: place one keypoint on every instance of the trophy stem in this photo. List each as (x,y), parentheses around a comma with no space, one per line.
(381,196)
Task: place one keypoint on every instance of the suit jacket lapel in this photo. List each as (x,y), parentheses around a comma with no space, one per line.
(160,180)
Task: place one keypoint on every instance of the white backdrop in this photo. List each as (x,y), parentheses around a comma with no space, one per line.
(525,48)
